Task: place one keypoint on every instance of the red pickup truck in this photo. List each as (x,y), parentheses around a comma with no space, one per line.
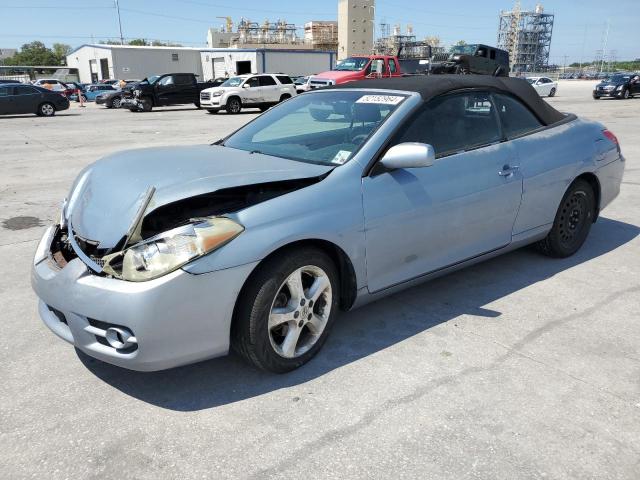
(358,68)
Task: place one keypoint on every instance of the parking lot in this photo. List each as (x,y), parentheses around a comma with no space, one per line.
(519,367)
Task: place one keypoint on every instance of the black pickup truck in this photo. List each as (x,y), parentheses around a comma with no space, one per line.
(164,90)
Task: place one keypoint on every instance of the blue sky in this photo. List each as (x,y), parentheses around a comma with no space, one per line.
(578,31)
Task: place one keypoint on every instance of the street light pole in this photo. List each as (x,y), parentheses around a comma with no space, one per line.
(119,23)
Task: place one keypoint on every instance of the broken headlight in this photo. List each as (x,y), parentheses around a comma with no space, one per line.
(168,251)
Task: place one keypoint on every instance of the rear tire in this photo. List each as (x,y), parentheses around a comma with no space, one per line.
(552,93)
(572,223)
(268,312)
(46,110)
(284,97)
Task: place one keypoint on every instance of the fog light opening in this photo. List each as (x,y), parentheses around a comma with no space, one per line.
(119,338)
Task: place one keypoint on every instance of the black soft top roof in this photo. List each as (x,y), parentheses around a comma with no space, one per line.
(430,86)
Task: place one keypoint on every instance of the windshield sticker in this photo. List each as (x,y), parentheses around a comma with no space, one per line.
(341,157)
(381,99)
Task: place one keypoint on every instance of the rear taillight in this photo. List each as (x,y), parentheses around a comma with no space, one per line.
(610,136)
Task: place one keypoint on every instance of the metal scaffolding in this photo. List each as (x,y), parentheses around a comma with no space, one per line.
(526,35)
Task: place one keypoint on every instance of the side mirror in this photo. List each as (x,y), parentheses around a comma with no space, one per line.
(409,155)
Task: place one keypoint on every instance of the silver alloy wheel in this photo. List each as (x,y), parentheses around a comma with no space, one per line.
(47,109)
(116,102)
(234,105)
(300,311)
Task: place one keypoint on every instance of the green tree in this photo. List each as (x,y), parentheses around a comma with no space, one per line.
(460,43)
(61,50)
(140,42)
(34,53)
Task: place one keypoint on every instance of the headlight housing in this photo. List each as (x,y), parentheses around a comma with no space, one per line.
(619,87)
(217,94)
(168,251)
(136,93)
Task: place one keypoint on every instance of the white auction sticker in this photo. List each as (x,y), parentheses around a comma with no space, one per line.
(341,157)
(381,99)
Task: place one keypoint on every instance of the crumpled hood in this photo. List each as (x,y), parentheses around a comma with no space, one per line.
(107,195)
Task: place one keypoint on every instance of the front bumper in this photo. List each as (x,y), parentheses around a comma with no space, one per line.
(130,103)
(607,93)
(177,319)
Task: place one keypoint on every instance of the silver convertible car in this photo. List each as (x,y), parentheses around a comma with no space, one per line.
(334,198)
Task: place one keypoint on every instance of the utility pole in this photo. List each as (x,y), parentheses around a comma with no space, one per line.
(604,45)
(564,68)
(119,22)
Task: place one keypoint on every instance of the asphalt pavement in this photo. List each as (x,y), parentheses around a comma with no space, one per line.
(522,367)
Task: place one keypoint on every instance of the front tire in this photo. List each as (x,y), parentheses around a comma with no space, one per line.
(46,110)
(572,223)
(234,105)
(626,94)
(146,104)
(552,93)
(286,310)
(116,103)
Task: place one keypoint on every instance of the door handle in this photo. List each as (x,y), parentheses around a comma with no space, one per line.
(508,170)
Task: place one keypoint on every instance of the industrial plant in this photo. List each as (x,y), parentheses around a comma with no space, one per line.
(526,35)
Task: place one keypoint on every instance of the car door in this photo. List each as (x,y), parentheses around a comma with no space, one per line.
(166,90)
(26,99)
(186,89)
(635,85)
(6,100)
(421,220)
(270,89)
(252,91)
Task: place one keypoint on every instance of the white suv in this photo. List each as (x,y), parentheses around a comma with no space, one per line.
(248,91)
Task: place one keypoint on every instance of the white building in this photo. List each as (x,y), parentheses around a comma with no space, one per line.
(98,62)
(225,62)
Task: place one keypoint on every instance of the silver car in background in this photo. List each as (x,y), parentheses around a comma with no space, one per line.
(332,199)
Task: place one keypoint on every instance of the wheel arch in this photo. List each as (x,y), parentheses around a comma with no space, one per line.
(346,270)
(592,179)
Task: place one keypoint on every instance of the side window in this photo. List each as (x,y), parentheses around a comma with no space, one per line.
(23,90)
(492,55)
(392,66)
(168,80)
(454,123)
(5,91)
(266,81)
(283,79)
(183,79)
(253,82)
(515,117)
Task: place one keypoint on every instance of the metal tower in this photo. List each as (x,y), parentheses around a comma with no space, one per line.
(526,35)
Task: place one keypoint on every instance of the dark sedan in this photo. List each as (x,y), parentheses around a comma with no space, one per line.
(623,85)
(16,99)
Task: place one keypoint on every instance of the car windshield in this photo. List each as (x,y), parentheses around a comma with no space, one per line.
(352,64)
(464,49)
(233,82)
(325,128)
(532,80)
(153,79)
(619,78)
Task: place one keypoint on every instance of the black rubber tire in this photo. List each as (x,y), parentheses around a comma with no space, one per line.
(147,104)
(596,98)
(562,241)
(212,112)
(198,106)
(462,70)
(233,106)
(116,102)
(284,97)
(552,93)
(626,94)
(265,108)
(46,109)
(249,334)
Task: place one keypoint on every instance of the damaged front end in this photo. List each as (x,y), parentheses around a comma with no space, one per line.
(164,238)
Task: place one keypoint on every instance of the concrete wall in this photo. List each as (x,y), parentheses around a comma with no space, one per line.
(144,62)
(133,62)
(298,63)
